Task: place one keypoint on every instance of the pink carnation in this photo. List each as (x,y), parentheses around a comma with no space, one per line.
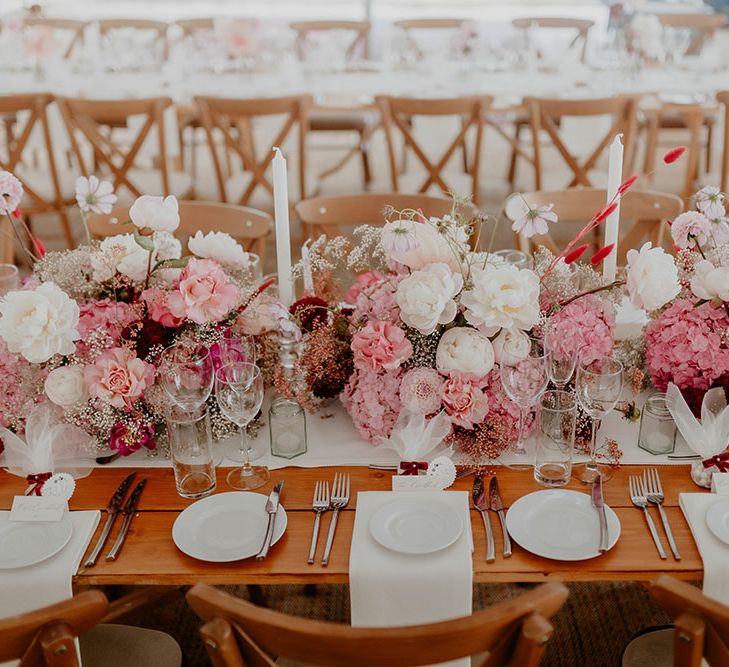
(372,401)
(11,192)
(158,307)
(363,281)
(464,400)
(584,327)
(380,345)
(694,224)
(110,316)
(204,293)
(118,377)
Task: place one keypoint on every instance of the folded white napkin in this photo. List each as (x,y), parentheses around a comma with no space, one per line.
(714,552)
(390,589)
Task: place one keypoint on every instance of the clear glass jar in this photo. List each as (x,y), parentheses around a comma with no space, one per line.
(287,426)
(657,429)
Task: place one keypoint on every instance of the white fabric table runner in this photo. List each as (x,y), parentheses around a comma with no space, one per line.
(389,589)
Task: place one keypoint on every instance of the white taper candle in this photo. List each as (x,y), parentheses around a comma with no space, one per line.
(283,238)
(612,224)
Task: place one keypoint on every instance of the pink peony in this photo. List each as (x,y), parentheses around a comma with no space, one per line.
(204,293)
(583,327)
(126,441)
(158,308)
(421,390)
(464,400)
(380,345)
(11,192)
(110,316)
(691,224)
(364,280)
(372,401)
(118,377)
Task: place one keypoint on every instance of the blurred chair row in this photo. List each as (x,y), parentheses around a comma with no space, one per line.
(238,634)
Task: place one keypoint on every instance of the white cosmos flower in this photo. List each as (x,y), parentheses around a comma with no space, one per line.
(94,196)
(426,297)
(220,247)
(535,221)
(710,201)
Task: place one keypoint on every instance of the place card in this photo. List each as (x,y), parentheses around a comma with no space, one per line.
(37,508)
(720,483)
(416,483)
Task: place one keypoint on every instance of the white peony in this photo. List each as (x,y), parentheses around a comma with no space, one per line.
(652,277)
(511,346)
(710,282)
(464,350)
(502,297)
(425,245)
(220,247)
(426,297)
(160,214)
(123,254)
(65,386)
(39,323)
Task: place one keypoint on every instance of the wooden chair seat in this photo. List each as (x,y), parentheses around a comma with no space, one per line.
(652,648)
(341,122)
(114,645)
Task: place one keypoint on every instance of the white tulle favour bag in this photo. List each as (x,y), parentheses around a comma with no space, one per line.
(709,438)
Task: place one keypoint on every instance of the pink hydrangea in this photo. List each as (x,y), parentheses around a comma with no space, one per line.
(464,400)
(684,345)
(363,281)
(421,390)
(584,327)
(380,345)
(11,192)
(21,387)
(373,402)
(204,294)
(691,224)
(158,307)
(377,302)
(110,316)
(118,377)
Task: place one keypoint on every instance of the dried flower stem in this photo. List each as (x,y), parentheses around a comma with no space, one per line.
(31,256)
(594,290)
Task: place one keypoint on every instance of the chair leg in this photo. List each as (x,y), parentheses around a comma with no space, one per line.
(364,153)
(709,139)
(67,233)
(511,176)
(258,597)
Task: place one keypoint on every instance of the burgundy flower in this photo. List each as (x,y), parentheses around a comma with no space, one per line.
(146,334)
(126,441)
(309,311)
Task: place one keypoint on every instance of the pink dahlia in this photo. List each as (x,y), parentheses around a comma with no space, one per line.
(584,327)
(373,402)
(421,390)
(380,345)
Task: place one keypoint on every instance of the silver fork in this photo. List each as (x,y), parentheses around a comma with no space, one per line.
(654,494)
(340,498)
(319,504)
(637,495)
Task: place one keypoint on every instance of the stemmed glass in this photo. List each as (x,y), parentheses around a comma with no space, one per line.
(187,374)
(523,383)
(599,385)
(561,357)
(233,350)
(239,393)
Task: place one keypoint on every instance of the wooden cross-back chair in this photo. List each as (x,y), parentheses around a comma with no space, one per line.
(75,27)
(722,98)
(233,120)
(95,120)
(360,31)
(248,226)
(702,25)
(547,114)
(45,191)
(410,26)
(581,26)
(237,633)
(647,210)
(398,114)
(191,26)
(159,28)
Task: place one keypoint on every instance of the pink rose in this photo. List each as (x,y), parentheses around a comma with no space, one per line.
(380,345)
(364,280)
(118,377)
(158,308)
(204,293)
(694,224)
(464,400)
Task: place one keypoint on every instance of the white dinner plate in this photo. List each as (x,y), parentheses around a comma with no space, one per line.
(226,527)
(717,519)
(560,524)
(416,525)
(24,543)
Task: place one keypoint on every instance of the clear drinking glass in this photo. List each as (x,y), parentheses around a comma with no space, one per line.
(187,374)
(239,393)
(561,357)
(9,278)
(518,258)
(191,450)
(555,438)
(598,386)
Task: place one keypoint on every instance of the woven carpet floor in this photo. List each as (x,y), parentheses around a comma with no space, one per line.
(591,630)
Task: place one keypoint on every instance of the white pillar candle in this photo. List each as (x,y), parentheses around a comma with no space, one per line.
(283,238)
(612,224)
(306,266)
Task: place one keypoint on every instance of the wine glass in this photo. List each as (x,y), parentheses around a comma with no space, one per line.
(561,357)
(523,382)
(239,393)
(233,350)
(599,385)
(186,372)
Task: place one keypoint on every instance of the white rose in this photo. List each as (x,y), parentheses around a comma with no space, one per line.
(511,346)
(220,247)
(710,282)
(39,323)
(426,297)
(65,386)
(160,214)
(502,297)
(465,350)
(430,246)
(652,277)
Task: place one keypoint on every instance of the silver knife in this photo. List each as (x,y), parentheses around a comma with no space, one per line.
(271,508)
(498,506)
(129,509)
(599,505)
(478,495)
(112,510)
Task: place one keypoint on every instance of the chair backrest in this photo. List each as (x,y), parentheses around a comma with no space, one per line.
(74,27)
(93,121)
(159,28)
(45,637)
(703,25)
(424,26)
(191,26)
(648,211)
(233,120)
(702,624)
(547,114)
(723,98)
(248,226)
(239,633)
(581,26)
(357,48)
(398,114)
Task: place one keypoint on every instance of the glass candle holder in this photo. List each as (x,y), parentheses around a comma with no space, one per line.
(657,429)
(9,278)
(287,426)
(191,451)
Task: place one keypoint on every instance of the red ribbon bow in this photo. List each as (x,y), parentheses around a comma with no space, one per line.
(36,482)
(413,467)
(721,461)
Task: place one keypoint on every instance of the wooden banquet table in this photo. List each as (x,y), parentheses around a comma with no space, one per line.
(149,555)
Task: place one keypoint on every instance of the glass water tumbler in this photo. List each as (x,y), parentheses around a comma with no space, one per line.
(555,438)
(9,278)
(191,450)
(287,425)
(657,429)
